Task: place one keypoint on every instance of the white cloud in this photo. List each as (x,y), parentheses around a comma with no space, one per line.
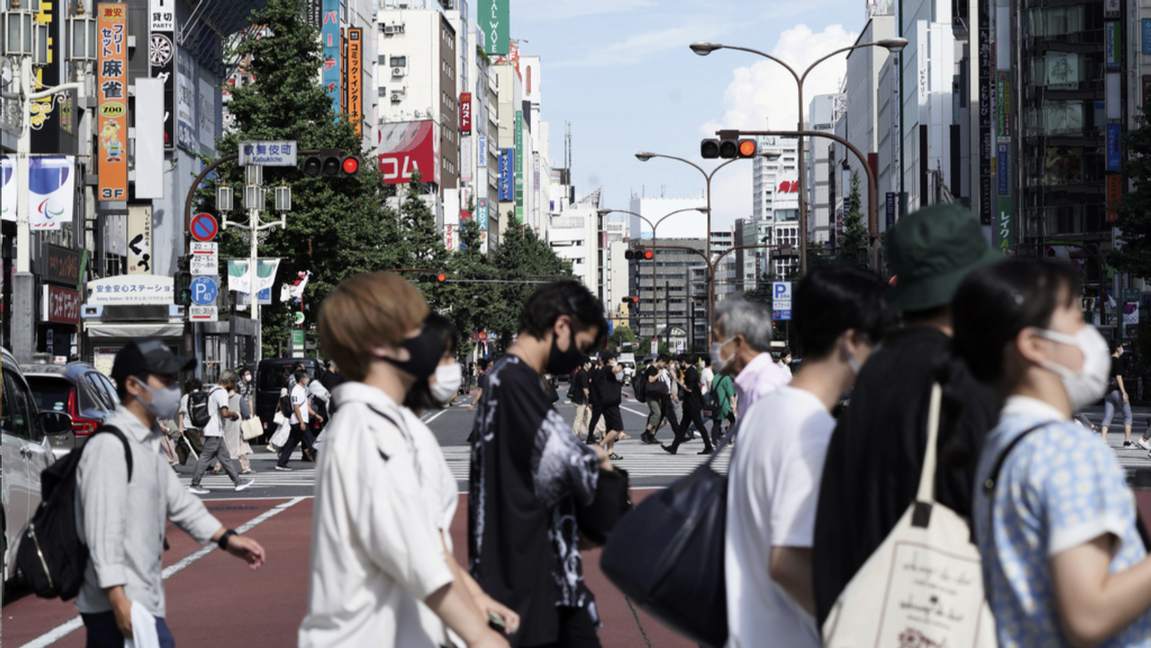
(535,11)
(763,96)
(636,48)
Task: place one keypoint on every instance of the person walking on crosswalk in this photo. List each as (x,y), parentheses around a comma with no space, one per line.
(214,446)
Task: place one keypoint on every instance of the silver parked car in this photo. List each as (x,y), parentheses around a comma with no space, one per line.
(26,452)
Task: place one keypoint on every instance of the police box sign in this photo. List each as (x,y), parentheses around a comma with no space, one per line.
(268,154)
(130,290)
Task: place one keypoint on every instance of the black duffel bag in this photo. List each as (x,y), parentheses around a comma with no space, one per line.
(667,555)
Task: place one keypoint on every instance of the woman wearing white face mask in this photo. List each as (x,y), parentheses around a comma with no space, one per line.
(437,483)
(1063,561)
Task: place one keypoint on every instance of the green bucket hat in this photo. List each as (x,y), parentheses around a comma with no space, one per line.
(930,252)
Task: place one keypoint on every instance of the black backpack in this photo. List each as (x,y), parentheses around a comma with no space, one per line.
(52,555)
(639,386)
(198,409)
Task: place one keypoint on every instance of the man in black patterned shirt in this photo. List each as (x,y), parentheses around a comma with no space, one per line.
(529,475)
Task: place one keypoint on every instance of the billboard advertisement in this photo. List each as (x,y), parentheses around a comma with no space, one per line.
(786,191)
(465,113)
(162,61)
(1003,169)
(356,78)
(507,174)
(330,38)
(519,166)
(112,101)
(1114,196)
(186,102)
(52,186)
(493,19)
(1114,147)
(407,148)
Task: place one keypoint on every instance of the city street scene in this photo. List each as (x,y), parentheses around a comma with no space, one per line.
(629,323)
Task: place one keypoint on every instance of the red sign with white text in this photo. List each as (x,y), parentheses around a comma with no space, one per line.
(62,304)
(465,113)
(407,148)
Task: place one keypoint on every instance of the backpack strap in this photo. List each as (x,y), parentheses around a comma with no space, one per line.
(993,477)
(111,429)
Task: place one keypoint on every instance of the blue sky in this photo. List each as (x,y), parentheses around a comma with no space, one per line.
(621,72)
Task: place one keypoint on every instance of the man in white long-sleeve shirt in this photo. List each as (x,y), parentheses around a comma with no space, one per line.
(376,553)
(122,521)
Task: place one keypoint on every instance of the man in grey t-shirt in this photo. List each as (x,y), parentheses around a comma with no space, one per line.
(214,446)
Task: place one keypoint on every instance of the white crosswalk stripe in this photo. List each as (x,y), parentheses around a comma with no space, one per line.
(639,460)
(302,475)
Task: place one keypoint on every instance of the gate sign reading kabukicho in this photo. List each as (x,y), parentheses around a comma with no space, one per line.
(112,100)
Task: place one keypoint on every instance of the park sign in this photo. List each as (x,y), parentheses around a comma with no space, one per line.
(266,153)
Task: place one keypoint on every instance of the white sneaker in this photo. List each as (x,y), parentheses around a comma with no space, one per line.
(284,468)
(244,484)
(1143,443)
(198,490)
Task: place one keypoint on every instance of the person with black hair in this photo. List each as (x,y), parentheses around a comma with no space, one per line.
(579,397)
(650,375)
(594,405)
(876,453)
(1117,397)
(609,387)
(481,381)
(692,408)
(531,479)
(301,432)
(1055,522)
(773,483)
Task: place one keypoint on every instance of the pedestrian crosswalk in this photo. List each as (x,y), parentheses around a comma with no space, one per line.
(302,475)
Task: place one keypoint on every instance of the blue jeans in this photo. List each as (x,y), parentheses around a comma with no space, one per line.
(103,632)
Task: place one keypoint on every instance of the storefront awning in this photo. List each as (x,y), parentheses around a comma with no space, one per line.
(104,330)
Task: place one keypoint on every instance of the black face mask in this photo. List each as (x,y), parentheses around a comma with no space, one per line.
(563,362)
(425,351)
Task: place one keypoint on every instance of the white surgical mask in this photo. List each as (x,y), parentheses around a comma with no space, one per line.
(164,403)
(1090,383)
(247,378)
(717,361)
(448,381)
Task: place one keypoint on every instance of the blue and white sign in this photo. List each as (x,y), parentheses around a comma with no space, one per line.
(781,300)
(330,39)
(1003,168)
(507,174)
(1147,35)
(129,290)
(280,154)
(204,291)
(1114,147)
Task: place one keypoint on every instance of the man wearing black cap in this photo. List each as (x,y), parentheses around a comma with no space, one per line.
(123,522)
(876,452)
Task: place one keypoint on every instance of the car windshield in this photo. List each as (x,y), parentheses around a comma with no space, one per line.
(272,374)
(51,393)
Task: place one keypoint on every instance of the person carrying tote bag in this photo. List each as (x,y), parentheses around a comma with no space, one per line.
(924,584)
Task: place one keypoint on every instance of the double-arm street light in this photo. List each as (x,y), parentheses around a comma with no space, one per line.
(653,226)
(890,44)
(644,156)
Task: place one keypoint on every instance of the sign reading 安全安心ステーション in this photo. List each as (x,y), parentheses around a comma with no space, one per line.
(268,153)
(129,290)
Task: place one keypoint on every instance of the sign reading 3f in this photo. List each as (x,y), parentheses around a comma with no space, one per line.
(493,17)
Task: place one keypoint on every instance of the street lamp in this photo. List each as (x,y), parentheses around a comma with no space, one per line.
(644,156)
(890,44)
(82,36)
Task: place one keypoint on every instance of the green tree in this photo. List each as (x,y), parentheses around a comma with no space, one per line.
(854,231)
(1134,221)
(474,302)
(522,257)
(338,227)
(420,245)
(621,335)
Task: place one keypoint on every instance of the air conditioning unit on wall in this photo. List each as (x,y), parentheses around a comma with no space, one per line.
(399,71)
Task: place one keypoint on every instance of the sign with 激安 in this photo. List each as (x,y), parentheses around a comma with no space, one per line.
(278,153)
(493,20)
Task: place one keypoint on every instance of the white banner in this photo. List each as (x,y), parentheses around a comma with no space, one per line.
(52,185)
(149,138)
(240,281)
(8,189)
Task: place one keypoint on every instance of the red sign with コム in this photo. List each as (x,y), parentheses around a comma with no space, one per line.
(407,148)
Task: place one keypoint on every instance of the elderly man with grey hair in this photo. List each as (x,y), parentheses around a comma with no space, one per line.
(741,347)
(214,446)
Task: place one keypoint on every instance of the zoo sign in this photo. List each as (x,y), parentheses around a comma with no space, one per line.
(112,100)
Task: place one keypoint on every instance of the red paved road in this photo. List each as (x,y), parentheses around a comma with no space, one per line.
(218,601)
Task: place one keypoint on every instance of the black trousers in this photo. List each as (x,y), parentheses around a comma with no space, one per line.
(596,413)
(667,409)
(717,426)
(297,435)
(576,630)
(693,413)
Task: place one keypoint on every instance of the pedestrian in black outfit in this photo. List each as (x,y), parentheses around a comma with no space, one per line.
(593,400)
(669,399)
(692,409)
(610,397)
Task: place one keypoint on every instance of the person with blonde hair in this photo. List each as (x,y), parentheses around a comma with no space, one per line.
(375,551)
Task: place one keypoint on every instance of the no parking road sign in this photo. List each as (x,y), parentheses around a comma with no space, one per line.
(204,227)
(204,291)
(781,300)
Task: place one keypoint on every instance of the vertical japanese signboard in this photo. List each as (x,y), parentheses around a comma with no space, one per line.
(1114,147)
(1003,106)
(519,167)
(493,18)
(1112,42)
(985,89)
(112,100)
(162,60)
(356,79)
(330,38)
(507,175)
(1003,225)
(1114,195)
(465,113)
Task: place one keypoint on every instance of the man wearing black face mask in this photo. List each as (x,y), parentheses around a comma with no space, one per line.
(530,476)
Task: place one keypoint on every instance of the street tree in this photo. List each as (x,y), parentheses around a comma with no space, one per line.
(521,257)
(854,231)
(474,300)
(1134,221)
(337,227)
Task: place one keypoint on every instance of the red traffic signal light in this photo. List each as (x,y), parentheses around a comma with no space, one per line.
(639,254)
(630,300)
(331,163)
(432,277)
(351,165)
(728,148)
(648,255)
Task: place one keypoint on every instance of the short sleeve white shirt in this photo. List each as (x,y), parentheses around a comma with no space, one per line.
(217,400)
(375,550)
(299,399)
(772,495)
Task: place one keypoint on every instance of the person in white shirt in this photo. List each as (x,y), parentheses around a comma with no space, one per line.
(741,348)
(778,462)
(301,411)
(439,486)
(214,446)
(375,551)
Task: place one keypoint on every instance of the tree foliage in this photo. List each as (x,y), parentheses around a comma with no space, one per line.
(854,231)
(522,257)
(620,336)
(1134,222)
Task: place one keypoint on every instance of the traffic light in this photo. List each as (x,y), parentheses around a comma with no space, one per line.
(432,277)
(331,163)
(630,301)
(639,254)
(183,282)
(728,147)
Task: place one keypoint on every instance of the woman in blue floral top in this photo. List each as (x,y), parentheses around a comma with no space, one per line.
(1063,561)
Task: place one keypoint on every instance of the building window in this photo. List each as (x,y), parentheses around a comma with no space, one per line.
(399,61)
(383,91)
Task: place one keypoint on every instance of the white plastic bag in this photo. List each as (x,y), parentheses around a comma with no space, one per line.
(280,438)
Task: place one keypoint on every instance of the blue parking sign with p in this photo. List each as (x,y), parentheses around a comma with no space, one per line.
(204,291)
(781,300)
